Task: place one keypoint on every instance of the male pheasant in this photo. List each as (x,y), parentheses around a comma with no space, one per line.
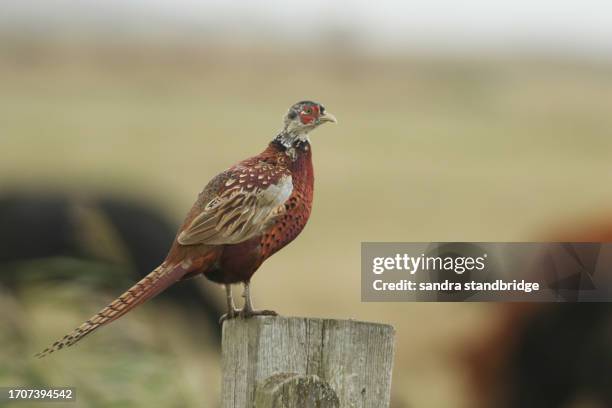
(244,215)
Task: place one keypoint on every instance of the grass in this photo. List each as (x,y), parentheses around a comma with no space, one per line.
(439,149)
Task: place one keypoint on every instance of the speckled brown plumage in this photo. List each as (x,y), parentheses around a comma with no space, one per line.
(236,262)
(242,217)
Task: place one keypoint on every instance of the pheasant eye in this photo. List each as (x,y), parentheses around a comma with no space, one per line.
(307,111)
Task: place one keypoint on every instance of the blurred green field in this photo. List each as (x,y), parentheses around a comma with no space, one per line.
(436,149)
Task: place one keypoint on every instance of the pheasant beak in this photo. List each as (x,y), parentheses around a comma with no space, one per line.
(327,117)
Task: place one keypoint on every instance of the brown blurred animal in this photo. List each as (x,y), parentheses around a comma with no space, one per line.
(540,355)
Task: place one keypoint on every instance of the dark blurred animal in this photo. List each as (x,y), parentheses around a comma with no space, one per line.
(105,229)
(244,215)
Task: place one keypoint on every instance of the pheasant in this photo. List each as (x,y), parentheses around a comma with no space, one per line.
(242,217)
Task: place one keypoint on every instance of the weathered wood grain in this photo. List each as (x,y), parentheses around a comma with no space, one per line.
(354,358)
(294,390)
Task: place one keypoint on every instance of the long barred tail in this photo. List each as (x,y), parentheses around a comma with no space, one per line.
(145,289)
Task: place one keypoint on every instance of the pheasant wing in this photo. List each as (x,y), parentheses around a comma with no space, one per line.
(247,200)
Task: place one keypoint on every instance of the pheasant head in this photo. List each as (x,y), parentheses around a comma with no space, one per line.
(300,120)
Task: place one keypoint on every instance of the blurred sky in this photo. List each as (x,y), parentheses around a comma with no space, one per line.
(573,27)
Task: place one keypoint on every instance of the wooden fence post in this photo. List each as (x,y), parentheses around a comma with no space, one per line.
(291,362)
